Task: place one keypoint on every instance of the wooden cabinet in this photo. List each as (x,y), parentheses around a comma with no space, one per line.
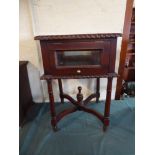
(79,56)
(126,69)
(25,96)
(129,70)
(73,57)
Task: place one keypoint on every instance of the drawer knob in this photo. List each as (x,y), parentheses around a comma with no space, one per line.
(78,71)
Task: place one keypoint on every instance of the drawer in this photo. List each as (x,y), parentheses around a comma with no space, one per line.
(84,71)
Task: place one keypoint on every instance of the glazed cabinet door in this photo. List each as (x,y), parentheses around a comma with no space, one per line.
(76,58)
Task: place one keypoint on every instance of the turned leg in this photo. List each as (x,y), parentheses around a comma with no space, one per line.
(107,104)
(97,89)
(61,90)
(52,106)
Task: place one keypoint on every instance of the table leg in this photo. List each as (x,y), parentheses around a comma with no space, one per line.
(61,90)
(97,89)
(107,103)
(52,106)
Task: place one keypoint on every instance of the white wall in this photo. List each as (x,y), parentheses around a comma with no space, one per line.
(77,16)
(45,17)
(28,50)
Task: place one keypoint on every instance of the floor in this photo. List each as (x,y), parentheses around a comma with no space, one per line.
(81,133)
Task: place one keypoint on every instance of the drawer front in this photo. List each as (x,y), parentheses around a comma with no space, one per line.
(76,58)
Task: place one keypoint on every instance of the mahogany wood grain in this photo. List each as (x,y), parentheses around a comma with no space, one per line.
(89,98)
(108,97)
(52,106)
(125,40)
(65,112)
(97,89)
(104,43)
(61,90)
(70,99)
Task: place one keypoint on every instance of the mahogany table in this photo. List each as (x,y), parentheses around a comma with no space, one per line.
(75,57)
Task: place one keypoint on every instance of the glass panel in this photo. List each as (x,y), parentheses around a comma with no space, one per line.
(78,58)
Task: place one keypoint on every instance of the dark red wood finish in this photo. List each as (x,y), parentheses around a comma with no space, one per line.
(124,46)
(97,89)
(61,90)
(52,106)
(105,43)
(108,54)
(107,103)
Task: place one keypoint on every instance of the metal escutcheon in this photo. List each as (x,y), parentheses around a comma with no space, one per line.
(78,71)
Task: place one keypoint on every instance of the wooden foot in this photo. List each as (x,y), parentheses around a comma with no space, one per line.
(55,128)
(106,123)
(54,124)
(105,128)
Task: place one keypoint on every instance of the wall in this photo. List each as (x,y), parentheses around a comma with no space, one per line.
(28,49)
(41,17)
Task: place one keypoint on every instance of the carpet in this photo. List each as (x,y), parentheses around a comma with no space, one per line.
(81,133)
